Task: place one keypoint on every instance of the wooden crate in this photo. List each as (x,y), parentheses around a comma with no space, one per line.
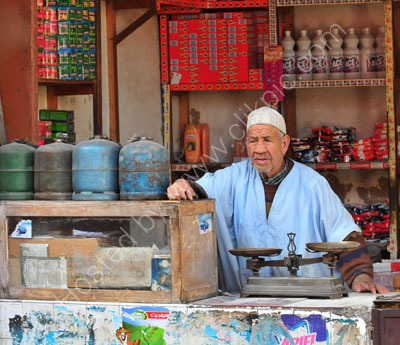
(193,249)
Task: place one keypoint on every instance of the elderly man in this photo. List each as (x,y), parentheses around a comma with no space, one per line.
(259,201)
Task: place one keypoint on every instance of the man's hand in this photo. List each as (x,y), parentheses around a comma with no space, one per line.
(180,190)
(364,283)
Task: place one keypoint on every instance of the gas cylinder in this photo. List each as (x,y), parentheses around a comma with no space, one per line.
(16,171)
(53,171)
(95,169)
(143,170)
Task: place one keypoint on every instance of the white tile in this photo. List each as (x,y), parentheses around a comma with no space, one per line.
(6,342)
(8,310)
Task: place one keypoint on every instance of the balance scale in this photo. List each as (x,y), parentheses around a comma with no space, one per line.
(295,286)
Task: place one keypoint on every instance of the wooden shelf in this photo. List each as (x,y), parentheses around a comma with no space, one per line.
(214,4)
(219,86)
(200,166)
(332,83)
(281,3)
(361,165)
(61,82)
(69,87)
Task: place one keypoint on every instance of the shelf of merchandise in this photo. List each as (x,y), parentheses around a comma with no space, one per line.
(305,84)
(218,86)
(363,165)
(19,81)
(388,82)
(281,3)
(390,165)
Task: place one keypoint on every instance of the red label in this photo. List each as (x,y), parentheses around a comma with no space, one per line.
(360,165)
(157,315)
(323,166)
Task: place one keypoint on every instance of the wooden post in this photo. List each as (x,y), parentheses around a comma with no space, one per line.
(112,71)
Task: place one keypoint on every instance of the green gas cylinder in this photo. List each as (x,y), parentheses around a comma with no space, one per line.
(16,171)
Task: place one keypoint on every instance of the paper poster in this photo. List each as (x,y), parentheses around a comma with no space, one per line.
(143,325)
(290,329)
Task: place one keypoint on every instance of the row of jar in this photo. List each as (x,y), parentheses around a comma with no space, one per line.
(329,56)
(96,169)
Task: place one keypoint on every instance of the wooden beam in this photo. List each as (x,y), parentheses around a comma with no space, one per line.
(183,114)
(112,72)
(137,23)
(130,4)
(97,88)
(52,102)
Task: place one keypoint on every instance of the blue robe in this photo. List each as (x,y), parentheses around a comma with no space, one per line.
(304,204)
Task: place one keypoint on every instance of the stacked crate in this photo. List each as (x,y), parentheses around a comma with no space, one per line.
(54,124)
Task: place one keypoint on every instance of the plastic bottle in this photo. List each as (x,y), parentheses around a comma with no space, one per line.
(192,143)
(289,57)
(367,55)
(351,55)
(335,55)
(380,59)
(303,57)
(205,142)
(320,68)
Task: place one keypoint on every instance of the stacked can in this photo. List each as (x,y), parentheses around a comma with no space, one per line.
(47,58)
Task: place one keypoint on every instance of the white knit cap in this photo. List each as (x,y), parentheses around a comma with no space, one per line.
(266,116)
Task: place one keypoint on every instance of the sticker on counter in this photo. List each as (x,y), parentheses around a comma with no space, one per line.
(290,329)
(143,325)
(23,229)
(205,223)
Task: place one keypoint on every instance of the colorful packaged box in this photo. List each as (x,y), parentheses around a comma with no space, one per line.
(49,13)
(50,29)
(44,129)
(66,14)
(67,3)
(50,44)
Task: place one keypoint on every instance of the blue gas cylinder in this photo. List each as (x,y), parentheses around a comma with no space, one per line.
(95,169)
(143,170)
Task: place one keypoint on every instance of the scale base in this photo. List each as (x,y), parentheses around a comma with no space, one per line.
(329,287)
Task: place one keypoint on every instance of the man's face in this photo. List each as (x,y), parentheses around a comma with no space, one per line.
(266,149)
